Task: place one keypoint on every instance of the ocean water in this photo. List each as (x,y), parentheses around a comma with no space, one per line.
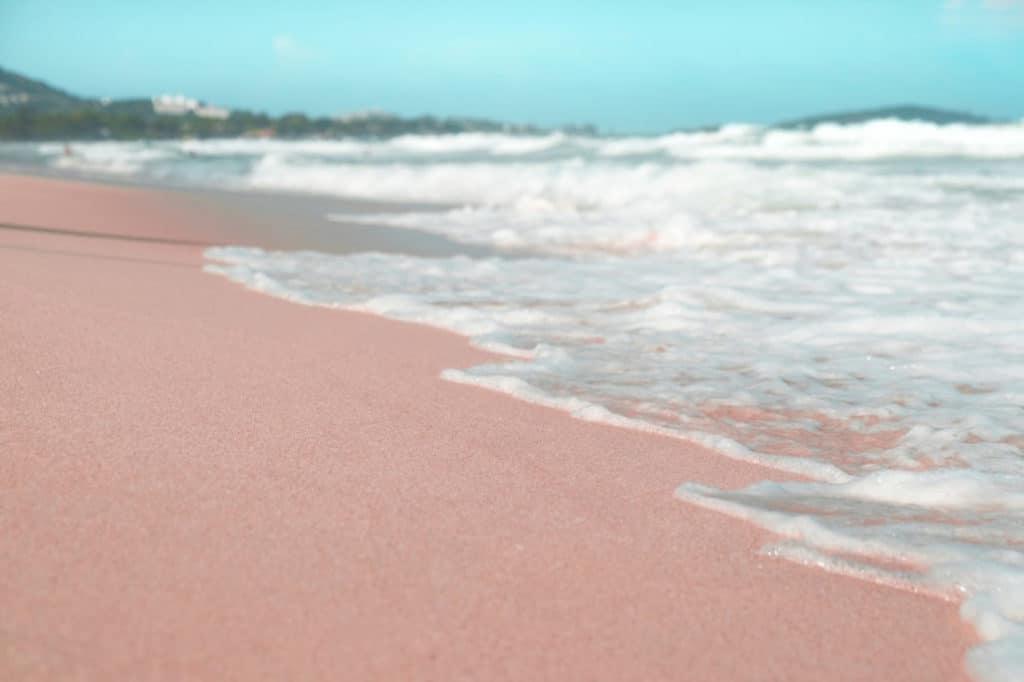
(844,303)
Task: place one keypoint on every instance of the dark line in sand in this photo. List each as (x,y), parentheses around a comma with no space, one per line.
(102,235)
(96,256)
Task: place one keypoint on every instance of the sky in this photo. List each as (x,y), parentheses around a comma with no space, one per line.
(636,66)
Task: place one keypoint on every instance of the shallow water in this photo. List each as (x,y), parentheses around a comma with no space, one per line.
(845,303)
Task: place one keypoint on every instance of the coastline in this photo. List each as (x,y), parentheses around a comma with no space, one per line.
(208,482)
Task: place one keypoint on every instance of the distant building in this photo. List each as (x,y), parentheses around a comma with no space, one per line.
(365,115)
(174,105)
(9,98)
(13,99)
(179,105)
(210,111)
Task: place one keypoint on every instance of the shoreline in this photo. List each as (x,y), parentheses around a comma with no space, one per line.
(272,219)
(209,482)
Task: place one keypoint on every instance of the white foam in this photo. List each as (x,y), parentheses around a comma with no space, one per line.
(973,552)
(871,141)
(592,412)
(106,157)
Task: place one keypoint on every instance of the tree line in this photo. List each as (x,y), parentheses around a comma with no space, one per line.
(99,124)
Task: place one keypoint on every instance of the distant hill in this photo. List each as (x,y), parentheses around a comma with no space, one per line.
(33,110)
(17,91)
(902,113)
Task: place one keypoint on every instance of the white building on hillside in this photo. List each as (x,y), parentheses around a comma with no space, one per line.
(13,99)
(364,115)
(10,98)
(179,105)
(174,105)
(210,111)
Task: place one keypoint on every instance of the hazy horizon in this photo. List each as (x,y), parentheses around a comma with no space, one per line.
(647,68)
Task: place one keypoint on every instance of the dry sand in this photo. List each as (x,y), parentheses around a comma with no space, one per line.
(200,482)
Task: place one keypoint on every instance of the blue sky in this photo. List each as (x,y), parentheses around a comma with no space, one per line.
(643,65)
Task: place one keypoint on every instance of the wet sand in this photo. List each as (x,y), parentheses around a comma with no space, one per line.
(201,482)
(272,220)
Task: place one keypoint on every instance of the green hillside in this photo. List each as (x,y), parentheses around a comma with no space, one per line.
(19,92)
(903,113)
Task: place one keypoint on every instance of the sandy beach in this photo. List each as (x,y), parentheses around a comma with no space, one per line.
(201,482)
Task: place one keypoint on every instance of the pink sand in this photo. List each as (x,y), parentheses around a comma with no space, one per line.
(200,482)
